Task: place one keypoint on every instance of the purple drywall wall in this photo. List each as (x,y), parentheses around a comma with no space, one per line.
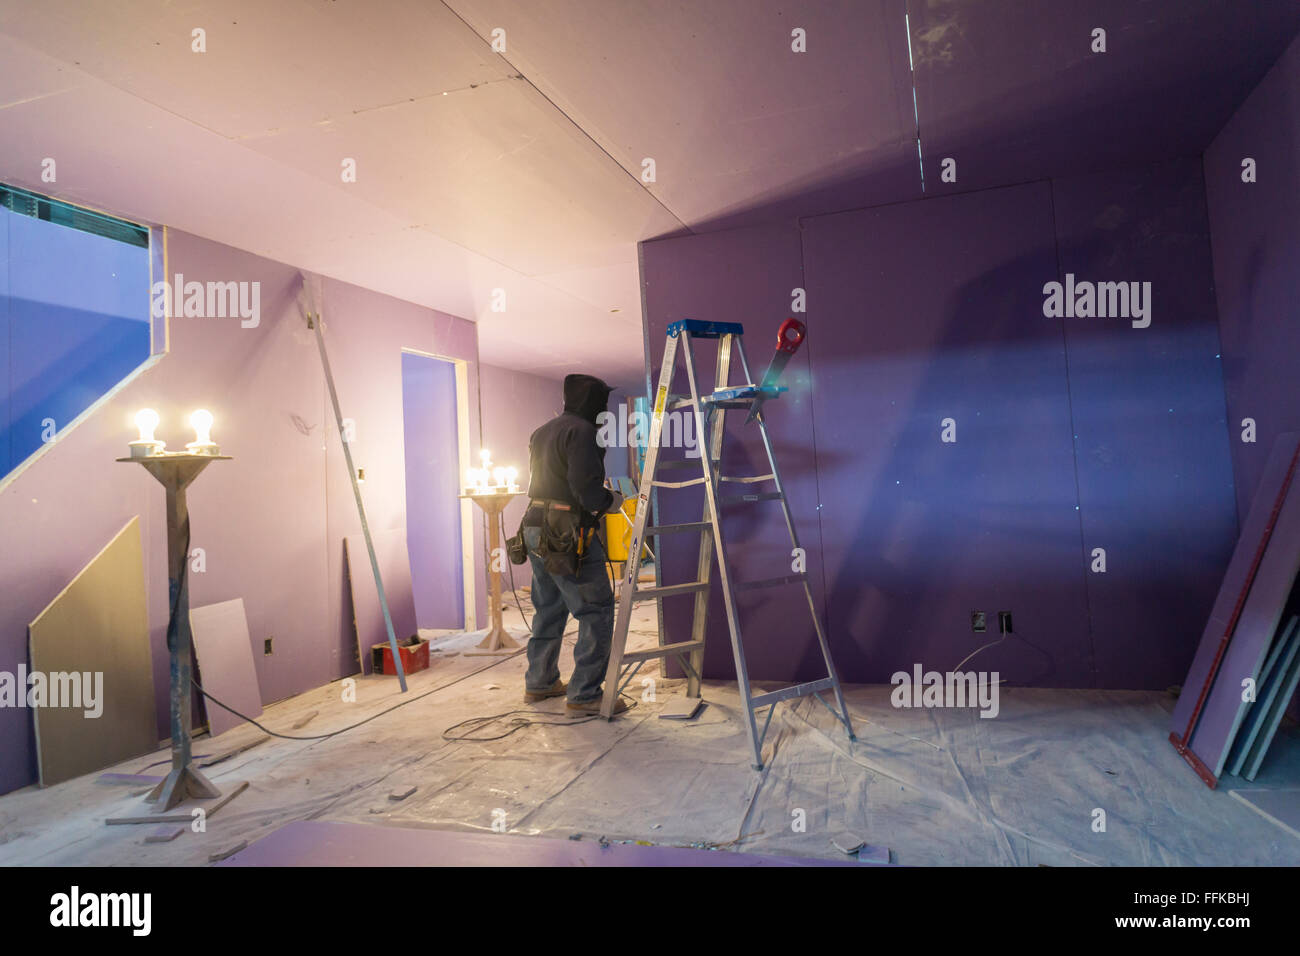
(920,313)
(1255,232)
(929,310)
(1151,436)
(272,521)
(1255,228)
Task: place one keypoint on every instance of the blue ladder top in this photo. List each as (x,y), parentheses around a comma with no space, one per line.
(705,330)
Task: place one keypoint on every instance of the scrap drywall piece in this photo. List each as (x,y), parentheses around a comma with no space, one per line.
(324,843)
(220,758)
(395,570)
(1271,678)
(223,854)
(164,834)
(1237,579)
(1281,807)
(681,707)
(848,842)
(226,669)
(1289,671)
(1256,626)
(98,625)
(401,793)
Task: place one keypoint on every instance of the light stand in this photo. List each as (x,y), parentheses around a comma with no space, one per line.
(175,472)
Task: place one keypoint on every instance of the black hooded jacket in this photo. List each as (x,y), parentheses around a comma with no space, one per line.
(564,461)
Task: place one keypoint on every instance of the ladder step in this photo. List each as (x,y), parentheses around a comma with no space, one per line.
(676,528)
(669,590)
(685,647)
(736,499)
(770,582)
(679,463)
(678,484)
(798,690)
(747,479)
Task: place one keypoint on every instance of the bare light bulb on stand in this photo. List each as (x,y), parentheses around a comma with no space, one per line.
(499,476)
(146,420)
(201,422)
(511,475)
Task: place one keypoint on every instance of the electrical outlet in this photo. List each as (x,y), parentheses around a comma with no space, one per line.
(266,646)
(978,624)
(1004,622)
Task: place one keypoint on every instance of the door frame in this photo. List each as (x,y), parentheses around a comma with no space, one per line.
(463,463)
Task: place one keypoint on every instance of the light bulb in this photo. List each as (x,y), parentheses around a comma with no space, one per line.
(511,475)
(201,422)
(485,456)
(146,419)
(499,476)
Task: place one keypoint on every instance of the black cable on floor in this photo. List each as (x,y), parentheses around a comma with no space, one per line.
(341,730)
(519,723)
(511,568)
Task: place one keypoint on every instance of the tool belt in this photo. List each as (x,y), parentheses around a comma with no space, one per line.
(563,540)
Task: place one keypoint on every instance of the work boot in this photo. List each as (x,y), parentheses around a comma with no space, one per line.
(533,696)
(581,708)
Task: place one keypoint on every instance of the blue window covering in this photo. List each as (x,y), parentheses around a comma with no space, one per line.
(74,315)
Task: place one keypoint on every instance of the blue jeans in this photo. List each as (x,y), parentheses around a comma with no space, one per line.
(590,599)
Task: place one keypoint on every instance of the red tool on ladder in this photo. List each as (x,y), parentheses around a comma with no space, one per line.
(788,339)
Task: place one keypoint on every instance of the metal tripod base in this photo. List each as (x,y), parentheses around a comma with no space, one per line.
(181,784)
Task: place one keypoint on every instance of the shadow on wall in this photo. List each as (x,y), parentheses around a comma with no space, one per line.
(1123,448)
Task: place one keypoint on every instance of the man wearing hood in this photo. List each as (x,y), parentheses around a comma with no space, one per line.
(567,493)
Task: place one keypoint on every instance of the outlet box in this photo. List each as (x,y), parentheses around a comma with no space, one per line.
(266,646)
(978,622)
(1004,622)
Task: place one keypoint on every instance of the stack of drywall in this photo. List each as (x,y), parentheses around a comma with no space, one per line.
(1247,666)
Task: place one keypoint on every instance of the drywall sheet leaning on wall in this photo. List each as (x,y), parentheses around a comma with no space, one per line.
(395,569)
(226,669)
(1244,619)
(90,649)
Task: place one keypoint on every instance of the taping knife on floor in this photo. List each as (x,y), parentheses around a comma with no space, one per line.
(788,339)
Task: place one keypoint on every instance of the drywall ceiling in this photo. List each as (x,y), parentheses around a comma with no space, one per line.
(521,170)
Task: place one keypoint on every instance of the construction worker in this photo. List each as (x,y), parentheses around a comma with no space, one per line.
(566,488)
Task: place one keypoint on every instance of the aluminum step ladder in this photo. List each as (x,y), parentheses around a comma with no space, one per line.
(710,416)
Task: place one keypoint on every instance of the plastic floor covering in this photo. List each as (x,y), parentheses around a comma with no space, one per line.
(935,786)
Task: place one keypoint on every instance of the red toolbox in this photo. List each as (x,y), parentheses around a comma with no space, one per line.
(415,657)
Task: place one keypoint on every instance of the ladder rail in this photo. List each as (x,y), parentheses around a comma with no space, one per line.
(623,616)
(715,437)
(761,419)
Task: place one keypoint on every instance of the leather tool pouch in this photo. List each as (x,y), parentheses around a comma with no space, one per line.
(516,549)
(559,545)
